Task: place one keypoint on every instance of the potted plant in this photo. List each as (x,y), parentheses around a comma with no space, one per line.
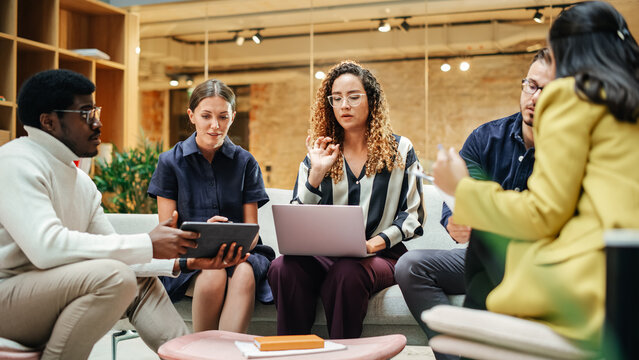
(125,180)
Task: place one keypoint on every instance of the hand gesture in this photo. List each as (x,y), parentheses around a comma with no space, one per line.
(220,261)
(322,155)
(448,170)
(459,233)
(169,242)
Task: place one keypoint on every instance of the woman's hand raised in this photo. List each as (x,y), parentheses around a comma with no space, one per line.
(322,155)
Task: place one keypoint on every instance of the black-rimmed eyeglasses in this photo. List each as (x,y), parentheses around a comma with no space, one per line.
(530,87)
(90,116)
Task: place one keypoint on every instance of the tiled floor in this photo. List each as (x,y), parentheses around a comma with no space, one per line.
(135,349)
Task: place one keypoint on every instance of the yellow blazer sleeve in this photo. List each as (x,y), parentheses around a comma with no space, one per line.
(563,123)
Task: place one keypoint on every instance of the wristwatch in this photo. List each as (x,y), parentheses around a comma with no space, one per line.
(183,267)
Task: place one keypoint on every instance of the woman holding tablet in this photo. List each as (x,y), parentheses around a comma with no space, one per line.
(207,178)
(353,159)
(584,181)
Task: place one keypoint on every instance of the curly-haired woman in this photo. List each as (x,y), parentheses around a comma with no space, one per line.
(353,159)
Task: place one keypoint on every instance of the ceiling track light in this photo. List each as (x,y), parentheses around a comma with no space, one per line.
(445,66)
(384,25)
(404,26)
(538,17)
(257,37)
(238,39)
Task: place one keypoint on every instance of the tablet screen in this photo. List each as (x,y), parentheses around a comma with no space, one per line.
(213,235)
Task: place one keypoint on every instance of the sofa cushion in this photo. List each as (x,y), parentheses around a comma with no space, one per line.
(435,236)
(265,216)
(133,223)
(475,350)
(501,331)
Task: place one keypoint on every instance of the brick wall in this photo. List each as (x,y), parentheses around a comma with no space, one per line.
(458,102)
(152,114)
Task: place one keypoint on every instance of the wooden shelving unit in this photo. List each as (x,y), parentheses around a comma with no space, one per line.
(37,35)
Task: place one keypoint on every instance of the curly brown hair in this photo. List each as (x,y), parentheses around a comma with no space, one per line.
(382,146)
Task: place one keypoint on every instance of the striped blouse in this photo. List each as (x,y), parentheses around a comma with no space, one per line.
(392,201)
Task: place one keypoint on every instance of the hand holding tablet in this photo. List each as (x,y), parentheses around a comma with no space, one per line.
(220,261)
(213,235)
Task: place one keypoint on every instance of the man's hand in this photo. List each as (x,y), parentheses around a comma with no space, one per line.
(232,258)
(169,242)
(375,244)
(459,233)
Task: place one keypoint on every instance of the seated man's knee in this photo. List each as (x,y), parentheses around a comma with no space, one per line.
(415,264)
(113,274)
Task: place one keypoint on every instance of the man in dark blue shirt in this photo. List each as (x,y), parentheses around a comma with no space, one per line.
(502,151)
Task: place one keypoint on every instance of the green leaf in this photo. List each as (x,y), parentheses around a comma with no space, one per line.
(125,181)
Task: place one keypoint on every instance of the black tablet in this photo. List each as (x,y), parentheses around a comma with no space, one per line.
(213,235)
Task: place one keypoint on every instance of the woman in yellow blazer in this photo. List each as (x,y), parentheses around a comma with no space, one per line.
(585,179)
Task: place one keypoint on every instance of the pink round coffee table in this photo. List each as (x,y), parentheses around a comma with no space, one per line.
(220,345)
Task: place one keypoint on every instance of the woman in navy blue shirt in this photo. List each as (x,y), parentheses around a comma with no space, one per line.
(208,178)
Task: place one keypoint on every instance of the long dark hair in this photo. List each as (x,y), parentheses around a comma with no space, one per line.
(591,42)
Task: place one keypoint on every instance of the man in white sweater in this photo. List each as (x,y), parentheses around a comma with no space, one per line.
(64,279)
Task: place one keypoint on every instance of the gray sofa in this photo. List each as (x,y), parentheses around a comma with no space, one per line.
(387,311)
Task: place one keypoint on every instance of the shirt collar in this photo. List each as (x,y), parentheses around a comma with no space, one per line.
(189,147)
(51,144)
(516,131)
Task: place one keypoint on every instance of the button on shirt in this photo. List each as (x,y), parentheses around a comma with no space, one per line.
(496,151)
(202,189)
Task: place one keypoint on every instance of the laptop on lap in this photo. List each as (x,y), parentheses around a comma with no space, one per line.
(320,230)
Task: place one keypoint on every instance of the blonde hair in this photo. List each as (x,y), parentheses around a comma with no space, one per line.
(381,143)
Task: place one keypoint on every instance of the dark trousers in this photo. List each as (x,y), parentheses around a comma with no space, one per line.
(426,278)
(485,264)
(343,284)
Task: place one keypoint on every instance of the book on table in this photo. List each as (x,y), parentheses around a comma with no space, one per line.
(288,342)
(286,346)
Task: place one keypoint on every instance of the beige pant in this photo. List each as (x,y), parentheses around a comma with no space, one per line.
(65,310)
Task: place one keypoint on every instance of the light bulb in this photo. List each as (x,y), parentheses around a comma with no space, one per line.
(384,26)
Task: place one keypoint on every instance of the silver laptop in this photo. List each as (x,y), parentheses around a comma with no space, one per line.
(323,230)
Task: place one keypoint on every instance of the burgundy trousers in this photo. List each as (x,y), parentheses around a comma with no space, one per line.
(343,284)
